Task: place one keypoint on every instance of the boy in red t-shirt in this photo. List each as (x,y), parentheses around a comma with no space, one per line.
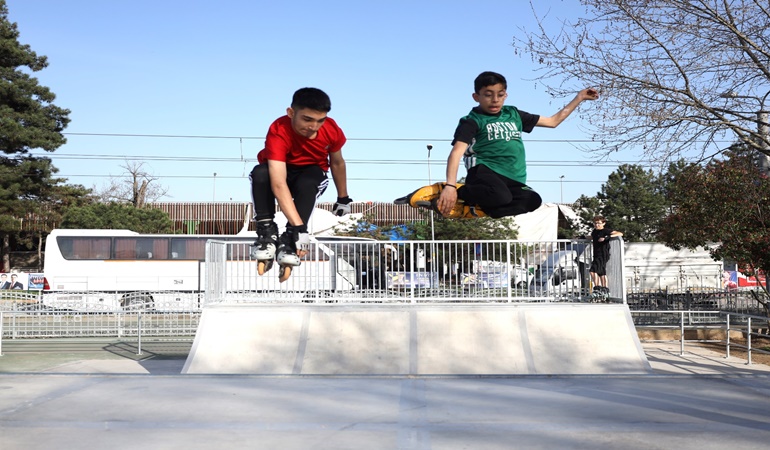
(300,148)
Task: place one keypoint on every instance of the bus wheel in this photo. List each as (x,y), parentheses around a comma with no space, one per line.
(136,301)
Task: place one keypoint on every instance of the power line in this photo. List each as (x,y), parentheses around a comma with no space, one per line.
(201,136)
(544,163)
(219,176)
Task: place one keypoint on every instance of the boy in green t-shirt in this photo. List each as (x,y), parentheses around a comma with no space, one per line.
(490,139)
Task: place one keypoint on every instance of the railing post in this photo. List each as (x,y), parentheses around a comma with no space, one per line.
(412,256)
(139,333)
(681,333)
(748,341)
(510,269)
(727,346)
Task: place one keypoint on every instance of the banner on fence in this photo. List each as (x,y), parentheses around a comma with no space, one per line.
(411,279)
(21,281)
(486,279)
(733,279)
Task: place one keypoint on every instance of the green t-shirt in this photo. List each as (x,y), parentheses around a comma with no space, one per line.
(496,140)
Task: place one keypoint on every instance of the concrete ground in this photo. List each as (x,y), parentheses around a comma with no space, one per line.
(101,394)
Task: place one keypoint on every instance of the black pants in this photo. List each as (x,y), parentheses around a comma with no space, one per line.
(306,184)
(498,196)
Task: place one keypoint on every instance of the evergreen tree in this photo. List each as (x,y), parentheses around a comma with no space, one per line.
(30,192)
(30,120)
(117,216)
(632,200)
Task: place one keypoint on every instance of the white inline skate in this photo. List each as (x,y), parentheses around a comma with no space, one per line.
(263,249)
(292,247)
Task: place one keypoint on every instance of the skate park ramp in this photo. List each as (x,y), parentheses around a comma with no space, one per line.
(416,339)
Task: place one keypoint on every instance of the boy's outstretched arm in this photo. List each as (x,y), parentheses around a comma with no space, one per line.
(559,117)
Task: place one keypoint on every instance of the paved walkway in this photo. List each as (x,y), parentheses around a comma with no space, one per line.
(102,395)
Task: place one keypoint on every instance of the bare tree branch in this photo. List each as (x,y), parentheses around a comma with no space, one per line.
(136,187)
(676,75)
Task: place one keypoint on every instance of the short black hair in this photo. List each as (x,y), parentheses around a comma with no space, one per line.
(311,98)
(488,79)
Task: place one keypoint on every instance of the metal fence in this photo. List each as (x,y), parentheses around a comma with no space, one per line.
(17,324)
(751,327)
(408,271)
(346,270)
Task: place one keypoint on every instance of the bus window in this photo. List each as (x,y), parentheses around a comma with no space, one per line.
(188,248)
(153,248)
(141,248)
(84,247)
(125,248)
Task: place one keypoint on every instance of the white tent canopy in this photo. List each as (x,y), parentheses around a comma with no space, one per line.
(543,223)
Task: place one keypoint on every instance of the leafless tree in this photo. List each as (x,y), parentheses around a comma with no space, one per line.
(676,76)
(136,186)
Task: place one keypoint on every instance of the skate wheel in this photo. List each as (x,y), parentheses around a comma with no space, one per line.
(402,200)
(284,273)
(264,266)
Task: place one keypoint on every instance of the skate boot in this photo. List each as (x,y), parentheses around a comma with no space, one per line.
(422,197)
(263,249)
(292,246)
(460,210)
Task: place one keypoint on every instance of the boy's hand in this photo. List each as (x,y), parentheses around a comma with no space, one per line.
(589,94)
(342,206)
(447,200)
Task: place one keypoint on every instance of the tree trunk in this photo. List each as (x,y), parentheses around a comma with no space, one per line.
(6,253)
(40,252)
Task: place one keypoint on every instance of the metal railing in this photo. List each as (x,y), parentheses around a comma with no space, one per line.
(407,271)
(136,326)
(743,324)
(346,270)
(727,323)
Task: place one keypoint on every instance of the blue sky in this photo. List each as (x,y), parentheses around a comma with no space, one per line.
(210,77)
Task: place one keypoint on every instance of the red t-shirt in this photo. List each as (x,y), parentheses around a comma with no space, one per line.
(284,144)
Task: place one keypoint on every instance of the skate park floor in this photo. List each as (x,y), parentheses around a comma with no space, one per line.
(81,393)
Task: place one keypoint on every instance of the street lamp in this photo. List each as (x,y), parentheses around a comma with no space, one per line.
(561,189)
(214,198)
(763,128)
(432,229)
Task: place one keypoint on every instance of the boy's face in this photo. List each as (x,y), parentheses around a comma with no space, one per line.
(305,121)
(599,224)
(491,98)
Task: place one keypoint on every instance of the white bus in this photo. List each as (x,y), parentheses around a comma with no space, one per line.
(120,269)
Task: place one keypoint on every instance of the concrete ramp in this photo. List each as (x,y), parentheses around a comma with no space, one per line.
(416,339)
